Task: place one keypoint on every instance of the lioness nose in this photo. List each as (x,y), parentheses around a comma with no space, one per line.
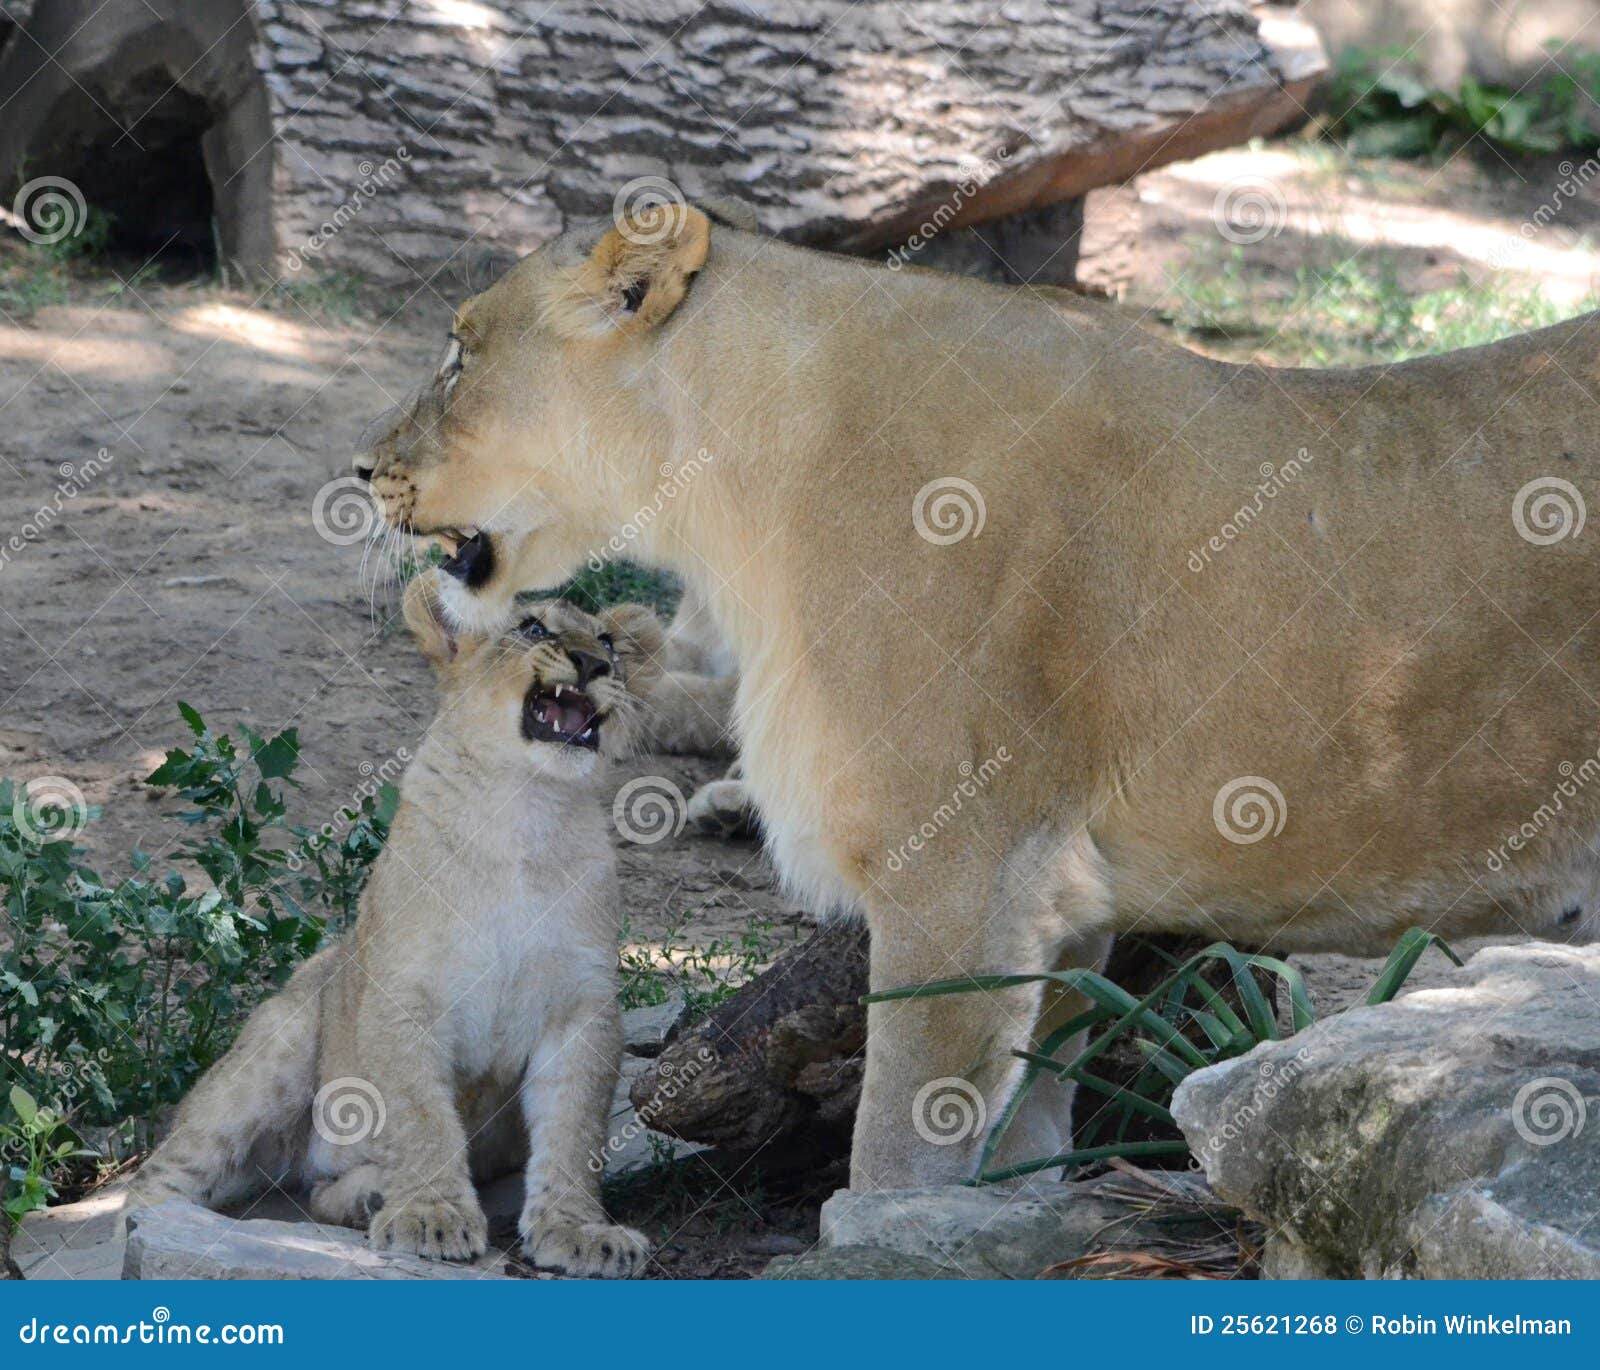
(590,666)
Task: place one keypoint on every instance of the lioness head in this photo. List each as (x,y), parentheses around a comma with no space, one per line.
(559,686)
(539,423)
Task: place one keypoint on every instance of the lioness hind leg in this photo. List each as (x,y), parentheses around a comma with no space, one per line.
(566,1097)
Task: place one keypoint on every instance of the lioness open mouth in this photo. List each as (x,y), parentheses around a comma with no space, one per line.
(562,715)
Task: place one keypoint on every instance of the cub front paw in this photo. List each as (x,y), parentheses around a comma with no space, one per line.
(587,1250)
(439,1229)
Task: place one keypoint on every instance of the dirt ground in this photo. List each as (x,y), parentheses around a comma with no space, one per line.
(189,566)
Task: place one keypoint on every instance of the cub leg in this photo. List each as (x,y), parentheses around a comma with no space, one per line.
(242,1128)
(689,714)
(566,1100)
(420,1151)
(724,808)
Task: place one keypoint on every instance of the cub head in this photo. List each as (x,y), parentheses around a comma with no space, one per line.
(544,419)
(560,686)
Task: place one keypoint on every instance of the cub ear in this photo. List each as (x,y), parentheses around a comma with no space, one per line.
(424,614)
(636,633)
(636,276)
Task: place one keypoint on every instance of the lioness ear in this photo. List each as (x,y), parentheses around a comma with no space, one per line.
(636,276)
(635,631)
(425,616)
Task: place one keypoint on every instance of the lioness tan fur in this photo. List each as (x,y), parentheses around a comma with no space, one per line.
(1049,629)
(469,1023)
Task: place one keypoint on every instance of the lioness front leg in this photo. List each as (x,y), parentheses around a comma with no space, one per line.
(566,1101)
(422,1199)
(940,1070)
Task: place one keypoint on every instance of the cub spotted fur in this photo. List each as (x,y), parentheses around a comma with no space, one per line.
(470,1021)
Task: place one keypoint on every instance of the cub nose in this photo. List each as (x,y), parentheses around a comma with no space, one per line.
(473,562)
(590,666)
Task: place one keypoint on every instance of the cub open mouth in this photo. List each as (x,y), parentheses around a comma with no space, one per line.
(563,715)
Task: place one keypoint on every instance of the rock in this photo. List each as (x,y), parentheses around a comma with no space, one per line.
(470,133)
(76,1241)
(1451,1134)
(855,1263)
(182,1241)
(646,1030)
(994,1232)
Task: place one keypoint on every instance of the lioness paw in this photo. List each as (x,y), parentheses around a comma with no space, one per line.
(439,1229)
(586,1250)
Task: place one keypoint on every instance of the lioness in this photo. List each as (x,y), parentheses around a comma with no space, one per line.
(470,1021)
(1049,629)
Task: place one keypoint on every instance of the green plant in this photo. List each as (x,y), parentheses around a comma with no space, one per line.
(1382,107)
(33,1146)
(622,582)
(1349,309)
(116,995)
(705,974)
(1184,1024)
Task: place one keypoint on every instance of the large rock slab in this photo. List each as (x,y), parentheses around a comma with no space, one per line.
(855,1263)
(1000,1232)
(182,1241)
(1454,1133)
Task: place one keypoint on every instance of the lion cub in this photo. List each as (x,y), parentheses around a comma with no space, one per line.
(470,1022)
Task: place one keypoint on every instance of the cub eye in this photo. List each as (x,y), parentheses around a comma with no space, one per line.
(533,630)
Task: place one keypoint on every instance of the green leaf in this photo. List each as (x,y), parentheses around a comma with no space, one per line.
(191,716)
(23,1105)
(1402,961)
(277,759)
